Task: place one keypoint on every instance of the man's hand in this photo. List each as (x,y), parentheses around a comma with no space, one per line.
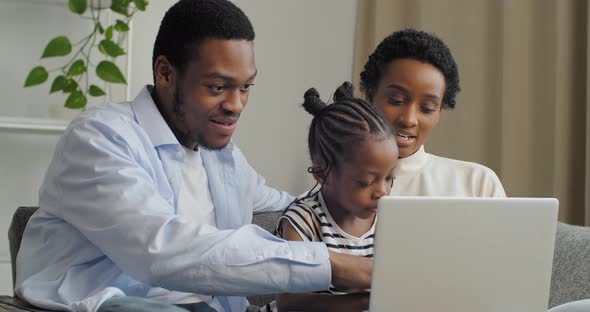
(350,271)
(314,302)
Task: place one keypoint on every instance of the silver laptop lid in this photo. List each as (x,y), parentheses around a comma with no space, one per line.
(463,254)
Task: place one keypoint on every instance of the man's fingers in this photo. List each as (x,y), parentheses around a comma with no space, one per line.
(351,271)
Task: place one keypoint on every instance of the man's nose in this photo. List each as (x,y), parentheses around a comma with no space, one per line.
(234,103)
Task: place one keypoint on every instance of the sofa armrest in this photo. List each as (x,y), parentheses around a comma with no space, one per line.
(14,304)
(570,279)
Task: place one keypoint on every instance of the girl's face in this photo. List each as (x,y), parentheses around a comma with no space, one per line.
(410,96)
(353,188)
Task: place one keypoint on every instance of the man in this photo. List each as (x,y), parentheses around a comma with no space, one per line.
(147,205)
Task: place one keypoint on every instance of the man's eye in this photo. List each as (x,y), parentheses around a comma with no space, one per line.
(217,88)
(246,87)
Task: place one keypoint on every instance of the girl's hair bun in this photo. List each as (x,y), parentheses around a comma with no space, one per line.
(346,90)
(312,102)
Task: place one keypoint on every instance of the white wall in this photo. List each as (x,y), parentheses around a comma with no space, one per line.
(298,44)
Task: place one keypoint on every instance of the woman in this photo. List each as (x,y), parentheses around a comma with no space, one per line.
(411,77)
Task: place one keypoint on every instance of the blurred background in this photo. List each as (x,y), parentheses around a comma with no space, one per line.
(523,111)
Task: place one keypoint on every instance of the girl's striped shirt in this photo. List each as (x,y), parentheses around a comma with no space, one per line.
(313,222)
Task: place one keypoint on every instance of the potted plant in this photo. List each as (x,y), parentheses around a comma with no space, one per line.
(72,77)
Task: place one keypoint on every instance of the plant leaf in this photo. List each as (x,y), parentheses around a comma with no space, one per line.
(78,6)
(120,6)
(70,85)
(76,100)
(109,72)
(58,46)
(100,28)
(109,33)
(76,68)
(59,83)
(95,91)
(121,26)
(110,48)
(140,4)
(36,76)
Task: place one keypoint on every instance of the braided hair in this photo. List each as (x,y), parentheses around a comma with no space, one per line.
(337,127)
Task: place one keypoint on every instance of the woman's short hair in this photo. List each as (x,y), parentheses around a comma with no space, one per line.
(417,45)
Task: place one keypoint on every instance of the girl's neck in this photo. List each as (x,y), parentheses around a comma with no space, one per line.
(346,221)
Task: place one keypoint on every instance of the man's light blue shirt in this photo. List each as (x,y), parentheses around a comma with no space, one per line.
(107,224)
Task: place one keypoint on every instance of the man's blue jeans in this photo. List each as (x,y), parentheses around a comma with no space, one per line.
(136,304)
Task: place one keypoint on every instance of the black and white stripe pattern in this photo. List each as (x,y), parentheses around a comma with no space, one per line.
(313,222)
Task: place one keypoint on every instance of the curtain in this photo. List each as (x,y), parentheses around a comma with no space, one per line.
(524,107)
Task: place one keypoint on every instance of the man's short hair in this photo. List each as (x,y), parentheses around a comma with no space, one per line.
(188,22)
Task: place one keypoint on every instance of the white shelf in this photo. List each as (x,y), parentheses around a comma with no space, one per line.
(35,124)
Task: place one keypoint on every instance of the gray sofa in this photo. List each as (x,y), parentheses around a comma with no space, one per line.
(570,279)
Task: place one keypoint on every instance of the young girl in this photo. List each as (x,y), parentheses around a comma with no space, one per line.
(353,154)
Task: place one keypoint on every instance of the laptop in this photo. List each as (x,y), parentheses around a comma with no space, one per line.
(463,254)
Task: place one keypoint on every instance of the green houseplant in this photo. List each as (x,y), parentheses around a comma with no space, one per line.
(73,77)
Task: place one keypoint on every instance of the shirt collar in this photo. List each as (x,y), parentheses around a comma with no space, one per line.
(413,163)
(151,121)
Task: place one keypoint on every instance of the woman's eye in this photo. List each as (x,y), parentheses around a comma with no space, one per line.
(396,101)
(428,110)
(429,106)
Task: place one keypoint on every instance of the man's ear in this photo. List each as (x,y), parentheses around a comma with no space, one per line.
(164,72)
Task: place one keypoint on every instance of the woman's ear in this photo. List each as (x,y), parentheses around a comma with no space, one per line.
(369,96)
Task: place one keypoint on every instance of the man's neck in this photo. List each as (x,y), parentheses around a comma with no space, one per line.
(168,119)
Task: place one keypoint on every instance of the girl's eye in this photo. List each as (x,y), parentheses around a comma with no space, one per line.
(390,180)
(363,184)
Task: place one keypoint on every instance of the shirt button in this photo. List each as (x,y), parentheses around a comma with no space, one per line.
(259,258)
(179,154)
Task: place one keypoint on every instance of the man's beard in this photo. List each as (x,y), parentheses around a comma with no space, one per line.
(185,137)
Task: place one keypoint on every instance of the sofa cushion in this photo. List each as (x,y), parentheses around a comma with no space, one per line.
(268,221)
(570,279)
(13,304)
(15,234)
